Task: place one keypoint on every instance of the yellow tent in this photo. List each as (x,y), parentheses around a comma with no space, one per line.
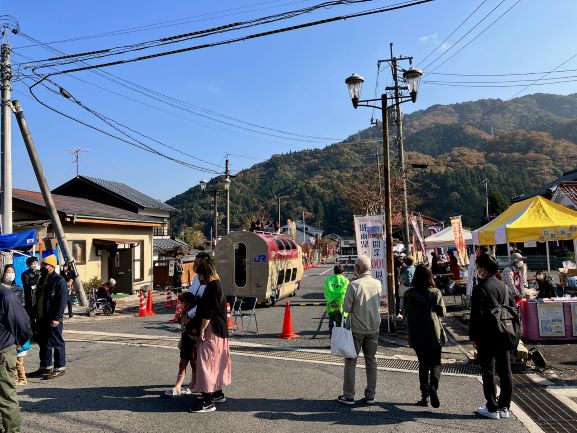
(534,219)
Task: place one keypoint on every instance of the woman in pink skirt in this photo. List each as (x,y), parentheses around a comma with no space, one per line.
(213,370)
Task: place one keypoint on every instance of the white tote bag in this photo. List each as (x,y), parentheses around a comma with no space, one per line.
(342,343)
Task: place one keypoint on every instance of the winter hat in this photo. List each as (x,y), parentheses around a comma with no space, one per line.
(50,260)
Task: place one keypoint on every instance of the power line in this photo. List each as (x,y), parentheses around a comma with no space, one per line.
(448,84)
(498,75)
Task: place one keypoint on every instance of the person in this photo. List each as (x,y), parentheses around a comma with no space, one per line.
(545,288)
(9,282)
(187,346)
(196,288)
(30,279)
(407,281)
(335,290)
(105,292)
(69,278)
(178,270)
(398,265)
(213,369)
(454,266)
(362,303)
(51,298)
(15,331)
(435,268)
(515,276)
(489,356)
(424,305)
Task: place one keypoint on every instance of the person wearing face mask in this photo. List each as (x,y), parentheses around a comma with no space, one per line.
(488,291)
(515,276)
(9,282)
(51,299)
(30,279)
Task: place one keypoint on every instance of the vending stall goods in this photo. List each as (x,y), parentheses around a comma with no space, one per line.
(264,265)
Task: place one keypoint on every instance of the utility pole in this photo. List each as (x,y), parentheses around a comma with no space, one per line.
(227,189)
(304,228)
(215,222)
(6,138)
(486,183)
(47,195)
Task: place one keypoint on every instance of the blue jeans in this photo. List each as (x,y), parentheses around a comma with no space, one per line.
(50,340)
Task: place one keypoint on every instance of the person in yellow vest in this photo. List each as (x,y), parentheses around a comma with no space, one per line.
(335,290)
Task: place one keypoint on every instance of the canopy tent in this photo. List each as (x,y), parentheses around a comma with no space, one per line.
(534,219)
(445,238)
(14,241)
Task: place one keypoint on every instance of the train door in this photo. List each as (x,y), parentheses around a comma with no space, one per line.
(241,274)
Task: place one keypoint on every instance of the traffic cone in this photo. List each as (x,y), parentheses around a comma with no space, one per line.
(169,303)
(142,312)
(229,318)
(287,326)
(149,304)
(176,317)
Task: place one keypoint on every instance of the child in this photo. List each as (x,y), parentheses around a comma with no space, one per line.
(187,346)
(20,372)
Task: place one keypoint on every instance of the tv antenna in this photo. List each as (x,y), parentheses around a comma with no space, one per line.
(76,152)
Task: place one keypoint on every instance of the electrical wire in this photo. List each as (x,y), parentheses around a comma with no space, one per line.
(498,75)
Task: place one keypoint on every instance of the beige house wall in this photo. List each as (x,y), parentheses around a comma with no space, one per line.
(98,265)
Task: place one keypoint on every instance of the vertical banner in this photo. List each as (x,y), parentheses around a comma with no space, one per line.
(460,240)
(370,236)
(420,238)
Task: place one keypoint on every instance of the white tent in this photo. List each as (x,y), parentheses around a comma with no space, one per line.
(445,238)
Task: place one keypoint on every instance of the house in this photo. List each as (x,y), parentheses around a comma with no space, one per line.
(305,234)
(105,241)
(566,194)
(548,190)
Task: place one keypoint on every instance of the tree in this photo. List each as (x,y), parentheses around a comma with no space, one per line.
(194,238)
(497,203)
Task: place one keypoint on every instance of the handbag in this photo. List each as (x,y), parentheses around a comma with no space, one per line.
(342,343)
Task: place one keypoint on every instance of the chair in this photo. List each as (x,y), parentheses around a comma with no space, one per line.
(247,308)
(231,300)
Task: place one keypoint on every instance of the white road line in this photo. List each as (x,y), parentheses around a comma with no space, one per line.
(324,272)
(564,394)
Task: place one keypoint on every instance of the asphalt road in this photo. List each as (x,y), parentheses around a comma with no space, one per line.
(118,388)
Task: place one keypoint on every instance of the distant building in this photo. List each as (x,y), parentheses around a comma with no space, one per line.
(548,190)
(304,233)
(566,195)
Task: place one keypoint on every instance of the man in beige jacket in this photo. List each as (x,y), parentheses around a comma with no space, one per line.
(362,304)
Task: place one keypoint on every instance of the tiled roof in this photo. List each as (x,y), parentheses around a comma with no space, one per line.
(397,220)
(169,244)
(570,190)
(82,207)
(130,194)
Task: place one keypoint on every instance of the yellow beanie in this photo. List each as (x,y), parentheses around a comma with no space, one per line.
(50,260)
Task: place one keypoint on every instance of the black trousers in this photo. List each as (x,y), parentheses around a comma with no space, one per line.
(490,361)
(429,369)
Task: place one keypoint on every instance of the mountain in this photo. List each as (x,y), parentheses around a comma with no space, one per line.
(517,144)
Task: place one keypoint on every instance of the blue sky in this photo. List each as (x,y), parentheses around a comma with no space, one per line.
(291,82)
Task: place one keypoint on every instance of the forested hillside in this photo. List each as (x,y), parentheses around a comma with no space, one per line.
(518,145)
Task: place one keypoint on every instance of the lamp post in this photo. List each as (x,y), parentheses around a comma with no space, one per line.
(355,84)
(214,192)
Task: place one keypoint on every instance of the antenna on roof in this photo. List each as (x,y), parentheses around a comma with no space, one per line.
(76,152)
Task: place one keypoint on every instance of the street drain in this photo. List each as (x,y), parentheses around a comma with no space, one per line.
(548,412)
(383,363)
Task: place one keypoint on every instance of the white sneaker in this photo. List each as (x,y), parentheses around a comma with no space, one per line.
(400,317)
(483,411)
(504,413)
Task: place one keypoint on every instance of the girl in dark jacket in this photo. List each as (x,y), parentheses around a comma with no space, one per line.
(423,306)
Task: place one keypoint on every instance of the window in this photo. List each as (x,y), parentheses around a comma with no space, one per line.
(78,250)
(279,244)
(292,244)
(240,265)
(138,261)
(294,277)
(160,231)
(280,280)
(287,276)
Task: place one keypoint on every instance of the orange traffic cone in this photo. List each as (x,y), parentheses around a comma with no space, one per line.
(176,317)
(169,303)
(149,304)
(142,306)
(287,326)
(229,318)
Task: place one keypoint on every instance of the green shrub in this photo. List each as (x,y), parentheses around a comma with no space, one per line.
(92,284)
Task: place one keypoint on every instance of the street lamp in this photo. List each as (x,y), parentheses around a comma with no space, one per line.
(412,77)
(355,85)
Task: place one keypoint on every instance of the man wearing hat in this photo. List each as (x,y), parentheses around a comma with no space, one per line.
(30,279)
(335,290)
(51,298)
(515,276)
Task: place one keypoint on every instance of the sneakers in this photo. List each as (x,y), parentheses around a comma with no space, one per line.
(504,413)
(40,372)
(173,392)
(400,317)
(368,401)
(483,411)
(202,407)
(54,374)
(348,401)
(424,402)
(218,398)
(434,398)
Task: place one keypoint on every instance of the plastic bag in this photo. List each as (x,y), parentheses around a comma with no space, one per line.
(342,343)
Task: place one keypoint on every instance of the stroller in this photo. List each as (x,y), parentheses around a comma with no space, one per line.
(97,305)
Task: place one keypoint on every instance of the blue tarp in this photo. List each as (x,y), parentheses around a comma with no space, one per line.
(19,262)
(18,241)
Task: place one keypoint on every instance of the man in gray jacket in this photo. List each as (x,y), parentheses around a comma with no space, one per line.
(362,303)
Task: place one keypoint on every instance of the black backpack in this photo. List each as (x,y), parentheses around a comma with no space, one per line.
(503,323)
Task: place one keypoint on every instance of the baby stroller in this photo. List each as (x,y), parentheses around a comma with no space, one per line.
(97,305)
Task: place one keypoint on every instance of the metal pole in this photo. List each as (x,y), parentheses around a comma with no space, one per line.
(6,138)
(215,222)
(388,216)
(304,228)
(406,234)
(47,195)
(279,212)
(548,256)
(227,171)
(486,181)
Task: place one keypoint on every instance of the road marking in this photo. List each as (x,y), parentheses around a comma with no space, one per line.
(564,394)
(324,272)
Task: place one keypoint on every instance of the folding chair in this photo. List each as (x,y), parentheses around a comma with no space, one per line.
(247,308)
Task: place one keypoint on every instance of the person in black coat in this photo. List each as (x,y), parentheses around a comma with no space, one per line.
(545,287)
(489,356)
(30,279)
(51,299)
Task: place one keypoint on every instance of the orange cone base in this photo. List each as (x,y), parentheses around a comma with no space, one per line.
(287,326)
(289,336)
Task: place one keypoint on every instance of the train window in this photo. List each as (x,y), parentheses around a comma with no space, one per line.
(240,265)
(292,244)
(279,244)
(280,280)
(294,276)
(287,276)
(286,245)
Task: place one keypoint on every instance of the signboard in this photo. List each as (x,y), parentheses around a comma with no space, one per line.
(171,263)
(370,234)
(419,236)
(530,244)
(460,240)
(551,319)
(574,318)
